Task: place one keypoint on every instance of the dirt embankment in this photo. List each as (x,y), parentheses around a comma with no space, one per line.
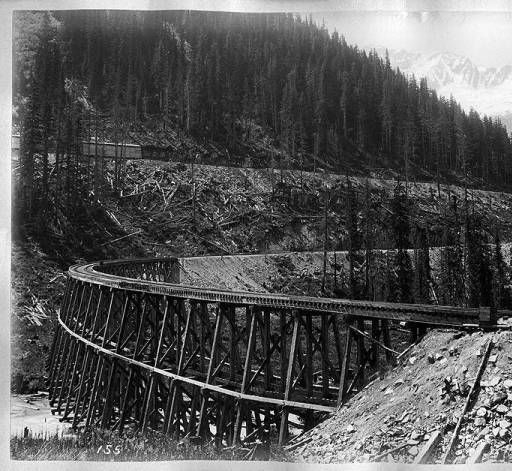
(297,273)
(425,393)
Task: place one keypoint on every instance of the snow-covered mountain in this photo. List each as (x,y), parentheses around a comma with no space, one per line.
(487,90)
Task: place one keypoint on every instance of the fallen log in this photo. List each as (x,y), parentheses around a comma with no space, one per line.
(121,238)
(389,452)
(407,350)
(298,444)
(113,217)
(393,450)
(371,339)
(476,457)
(135,194)
(469,397)
(428,449)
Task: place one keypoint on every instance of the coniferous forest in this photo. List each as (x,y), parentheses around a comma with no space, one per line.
(218,75)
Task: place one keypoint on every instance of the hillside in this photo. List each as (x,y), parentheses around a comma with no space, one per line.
(257,210)
(275,89)
(398,413)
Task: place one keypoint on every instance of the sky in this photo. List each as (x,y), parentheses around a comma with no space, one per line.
(478,29)
(484,37)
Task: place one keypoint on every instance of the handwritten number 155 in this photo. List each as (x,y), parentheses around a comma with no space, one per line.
(107,449)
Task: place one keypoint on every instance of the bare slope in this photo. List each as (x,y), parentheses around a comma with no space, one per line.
(426,392)
(291,273)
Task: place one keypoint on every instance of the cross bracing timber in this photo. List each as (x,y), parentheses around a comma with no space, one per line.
(135,348)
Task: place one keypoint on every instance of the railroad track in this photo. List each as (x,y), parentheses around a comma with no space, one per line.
(135,348)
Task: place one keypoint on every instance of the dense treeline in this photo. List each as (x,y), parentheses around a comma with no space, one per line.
(217,75)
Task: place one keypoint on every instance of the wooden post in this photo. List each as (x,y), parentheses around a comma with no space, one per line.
(374,352)
(309,355)
(283,432)
(455,436)
(247,370)
(82,393)
(267,372)
(361,352)
(78,353)
(173,386)
(346,364)
(213,356)
(62,349)
(149,396)
(325,356)
(282,322)
(204,322)
(99,366)
(386,339)
(193,410)
(427,450)
(90,361)
(476,457)
(107,408)
(233,347)
(337,341)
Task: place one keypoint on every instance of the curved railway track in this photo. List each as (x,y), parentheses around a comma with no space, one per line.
(136,348)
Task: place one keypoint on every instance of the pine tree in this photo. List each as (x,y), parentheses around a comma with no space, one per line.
(452,279)
(400,222)
(500,293)
(478,268)
(422,266)
(354,241)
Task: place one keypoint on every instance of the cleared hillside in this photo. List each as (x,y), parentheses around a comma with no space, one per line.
(245,210)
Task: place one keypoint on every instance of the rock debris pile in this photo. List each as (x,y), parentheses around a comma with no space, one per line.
(420,402)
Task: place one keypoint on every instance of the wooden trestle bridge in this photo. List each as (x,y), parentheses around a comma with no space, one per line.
(134,348)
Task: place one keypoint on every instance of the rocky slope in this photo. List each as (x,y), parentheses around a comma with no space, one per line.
(392,418)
